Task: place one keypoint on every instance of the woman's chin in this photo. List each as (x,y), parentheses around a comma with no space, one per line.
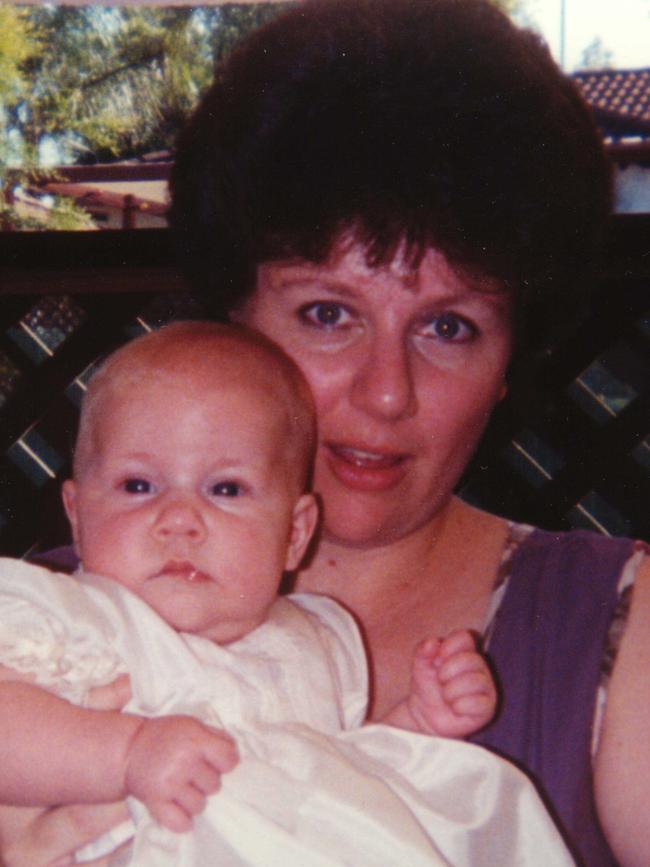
(363,529)
(354,520)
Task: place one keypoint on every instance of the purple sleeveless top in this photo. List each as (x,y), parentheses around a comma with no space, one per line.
(547,648)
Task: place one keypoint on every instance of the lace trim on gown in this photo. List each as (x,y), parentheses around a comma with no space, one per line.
(62,658)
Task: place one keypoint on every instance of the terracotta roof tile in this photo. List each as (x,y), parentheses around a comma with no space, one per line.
(620,99)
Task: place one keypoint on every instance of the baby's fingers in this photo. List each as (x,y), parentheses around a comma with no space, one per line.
(469,683)
(221,752)
(476,705)
(464,663)
(171,815)
(458,641)
(202,777)
(426,652)
(206,778)
(190,799)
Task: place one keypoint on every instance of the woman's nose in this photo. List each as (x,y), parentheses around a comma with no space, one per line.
(179,519)
(383,383)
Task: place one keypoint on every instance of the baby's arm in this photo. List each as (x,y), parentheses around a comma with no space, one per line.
(53,752)
(452,689)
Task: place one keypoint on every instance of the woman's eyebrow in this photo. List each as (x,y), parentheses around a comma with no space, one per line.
(482,291)
(316,281)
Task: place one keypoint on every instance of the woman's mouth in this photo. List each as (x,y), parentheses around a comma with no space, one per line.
(365,469)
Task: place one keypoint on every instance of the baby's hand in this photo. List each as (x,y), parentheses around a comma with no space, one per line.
(452,689)
(173,764)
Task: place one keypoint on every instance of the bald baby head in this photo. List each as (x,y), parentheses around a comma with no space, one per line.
(200,360)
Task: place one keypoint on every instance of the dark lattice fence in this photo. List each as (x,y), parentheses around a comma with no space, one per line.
(577,455)
(98,291)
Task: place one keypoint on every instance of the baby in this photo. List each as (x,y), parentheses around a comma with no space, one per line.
(190,495)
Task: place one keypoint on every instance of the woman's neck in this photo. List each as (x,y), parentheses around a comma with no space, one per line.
(436,580)
(366,579)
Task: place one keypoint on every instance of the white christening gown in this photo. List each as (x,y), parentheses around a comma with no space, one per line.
(314,787)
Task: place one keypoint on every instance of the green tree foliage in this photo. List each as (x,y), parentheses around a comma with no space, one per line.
(99,84)
(117,82)
(107,83)
(17,43)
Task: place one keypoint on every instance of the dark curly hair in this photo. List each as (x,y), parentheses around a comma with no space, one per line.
(437,123)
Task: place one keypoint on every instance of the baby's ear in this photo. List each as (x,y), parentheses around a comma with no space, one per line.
(305,518)
(69,495)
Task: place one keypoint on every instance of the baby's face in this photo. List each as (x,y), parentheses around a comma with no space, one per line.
(189,500)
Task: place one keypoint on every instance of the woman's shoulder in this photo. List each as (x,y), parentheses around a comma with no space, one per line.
(571,550)
(572,569)
(526,540)
(565,589)
(578,565)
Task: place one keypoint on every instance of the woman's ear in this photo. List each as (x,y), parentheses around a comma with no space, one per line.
(305,518)
(69,495)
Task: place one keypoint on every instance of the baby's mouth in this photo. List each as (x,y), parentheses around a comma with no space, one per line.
(183,570)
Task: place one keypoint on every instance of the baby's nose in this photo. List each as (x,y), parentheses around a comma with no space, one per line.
(179,519)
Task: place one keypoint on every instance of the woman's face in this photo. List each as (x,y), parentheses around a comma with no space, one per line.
(405,367)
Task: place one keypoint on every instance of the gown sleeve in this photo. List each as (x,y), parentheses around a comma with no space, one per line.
(47,630)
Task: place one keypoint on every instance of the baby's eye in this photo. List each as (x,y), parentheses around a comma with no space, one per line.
(137,486)
(448,327)
(226,489)
(325,314)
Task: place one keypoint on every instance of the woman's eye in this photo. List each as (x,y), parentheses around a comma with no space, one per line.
(325,314)
(137,486)
(226,489)
(448,327)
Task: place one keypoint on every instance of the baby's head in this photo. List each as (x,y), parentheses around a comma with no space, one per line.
(190,471)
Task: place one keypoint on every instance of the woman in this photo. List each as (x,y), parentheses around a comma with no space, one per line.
(404,195)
